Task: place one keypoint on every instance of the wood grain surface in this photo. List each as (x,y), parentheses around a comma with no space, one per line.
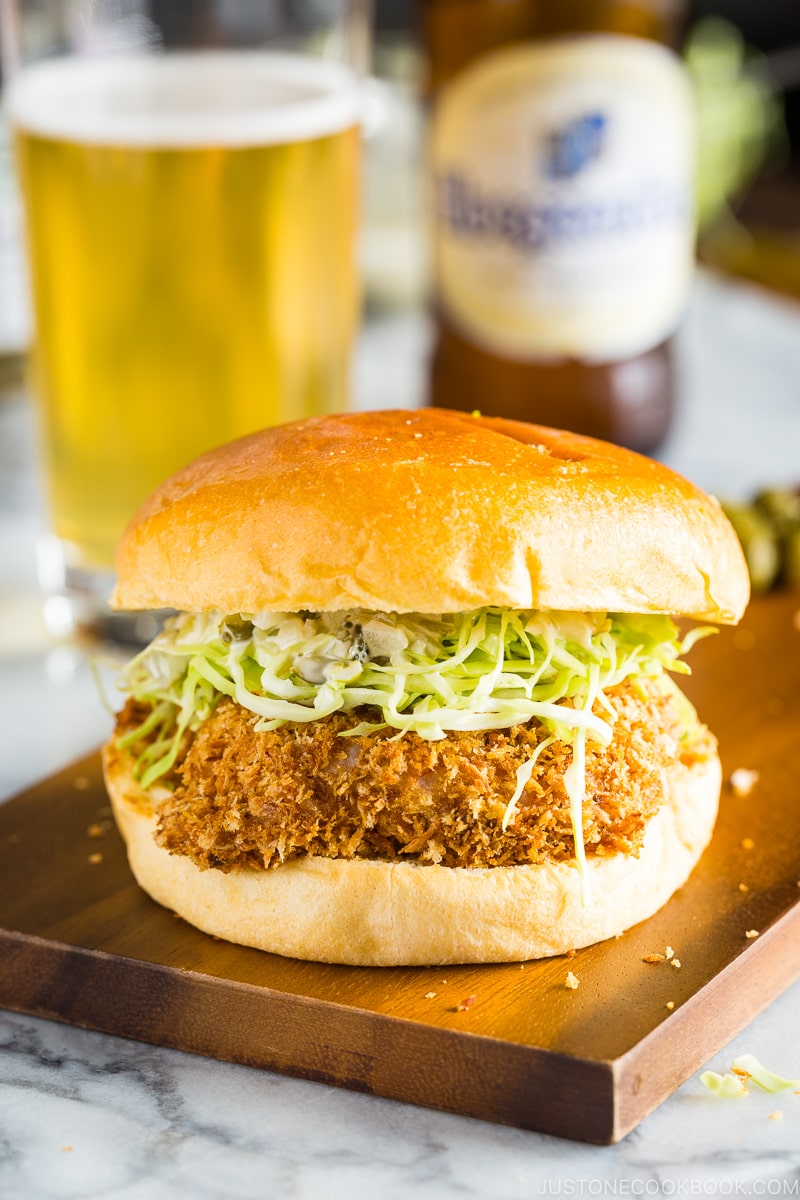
(79,942)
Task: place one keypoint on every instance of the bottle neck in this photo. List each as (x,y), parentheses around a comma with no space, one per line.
(456,32)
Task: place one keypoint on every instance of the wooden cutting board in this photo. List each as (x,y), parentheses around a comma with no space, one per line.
(80,943)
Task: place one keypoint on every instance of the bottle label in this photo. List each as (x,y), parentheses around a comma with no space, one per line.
(563,177)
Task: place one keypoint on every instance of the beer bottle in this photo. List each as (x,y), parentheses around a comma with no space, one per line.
(561,154)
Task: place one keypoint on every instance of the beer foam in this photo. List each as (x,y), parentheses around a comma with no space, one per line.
(206,98)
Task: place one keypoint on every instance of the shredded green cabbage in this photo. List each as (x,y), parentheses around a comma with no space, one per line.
(487,669)
(747,1065)
(724,1087)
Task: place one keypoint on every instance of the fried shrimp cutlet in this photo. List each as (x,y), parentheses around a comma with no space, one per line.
(244,797)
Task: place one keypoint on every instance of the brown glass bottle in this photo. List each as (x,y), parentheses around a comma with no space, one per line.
(624,395)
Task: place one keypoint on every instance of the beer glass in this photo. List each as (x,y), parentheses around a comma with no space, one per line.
(189,172)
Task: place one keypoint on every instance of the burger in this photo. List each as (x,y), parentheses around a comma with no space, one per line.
(418,705)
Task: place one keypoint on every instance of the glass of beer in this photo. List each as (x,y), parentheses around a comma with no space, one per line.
(190,181)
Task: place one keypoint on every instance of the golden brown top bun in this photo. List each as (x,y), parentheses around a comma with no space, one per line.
(429,511)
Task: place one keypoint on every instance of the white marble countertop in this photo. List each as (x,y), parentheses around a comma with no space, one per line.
(87,1115)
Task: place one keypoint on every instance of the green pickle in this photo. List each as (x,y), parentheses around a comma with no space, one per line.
(791,555)
(759,538)
(769,531)
(781,504)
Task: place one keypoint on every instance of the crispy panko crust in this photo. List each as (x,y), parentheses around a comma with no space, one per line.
(248,798)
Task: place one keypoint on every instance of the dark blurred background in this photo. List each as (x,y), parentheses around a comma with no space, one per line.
(773,27)
(760,239)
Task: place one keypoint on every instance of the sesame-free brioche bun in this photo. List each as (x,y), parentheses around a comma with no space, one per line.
(369,913)
(434,512)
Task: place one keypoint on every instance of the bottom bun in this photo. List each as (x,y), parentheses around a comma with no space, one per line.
(368,913)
